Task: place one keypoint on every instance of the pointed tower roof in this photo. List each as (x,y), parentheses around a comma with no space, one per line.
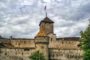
(46,20)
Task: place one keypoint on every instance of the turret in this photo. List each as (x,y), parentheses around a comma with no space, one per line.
(42,38)
(46,27)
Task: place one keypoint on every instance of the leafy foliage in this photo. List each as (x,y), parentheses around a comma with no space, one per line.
(87,54)
(85,43)
(37,56)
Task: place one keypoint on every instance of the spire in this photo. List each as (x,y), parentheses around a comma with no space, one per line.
(45,10)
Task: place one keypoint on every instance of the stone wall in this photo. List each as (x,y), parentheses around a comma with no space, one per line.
(2,57)
(41,44)
(64,44)
(23,43)
(57,49)
(16,52)
(57,54)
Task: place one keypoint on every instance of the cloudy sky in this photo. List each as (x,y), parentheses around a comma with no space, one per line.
(20,18)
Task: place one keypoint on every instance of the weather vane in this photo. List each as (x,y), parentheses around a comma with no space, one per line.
(46,10)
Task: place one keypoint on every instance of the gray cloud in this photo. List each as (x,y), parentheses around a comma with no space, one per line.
(20,18)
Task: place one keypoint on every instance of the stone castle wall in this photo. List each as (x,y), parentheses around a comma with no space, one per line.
(57,49)
(57,54)
(23,43)
(15,54)
(65,44)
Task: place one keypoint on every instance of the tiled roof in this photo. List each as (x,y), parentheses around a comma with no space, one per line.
(69,38)
(46,20)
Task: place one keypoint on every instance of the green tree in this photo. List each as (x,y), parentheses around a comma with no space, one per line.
(85,43)
(37,56)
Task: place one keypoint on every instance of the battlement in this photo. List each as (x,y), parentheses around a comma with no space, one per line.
(69,38)
(43,39)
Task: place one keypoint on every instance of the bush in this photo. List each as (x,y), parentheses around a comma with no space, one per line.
(37,56)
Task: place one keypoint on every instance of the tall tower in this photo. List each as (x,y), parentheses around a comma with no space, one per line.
(46,26)
(42,38)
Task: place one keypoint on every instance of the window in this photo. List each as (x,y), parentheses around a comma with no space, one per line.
(79,45)
(26,49)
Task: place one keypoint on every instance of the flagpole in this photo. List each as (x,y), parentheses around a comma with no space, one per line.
(45,10)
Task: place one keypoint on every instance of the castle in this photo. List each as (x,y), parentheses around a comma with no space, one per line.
(53,48)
